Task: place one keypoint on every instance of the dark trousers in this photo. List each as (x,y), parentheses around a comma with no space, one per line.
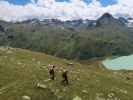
(65,81)
(52,76)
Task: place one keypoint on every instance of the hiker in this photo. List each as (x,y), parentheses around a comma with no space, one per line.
(65,77)
(52,72)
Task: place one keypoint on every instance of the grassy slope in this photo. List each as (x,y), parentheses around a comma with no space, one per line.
(21,70)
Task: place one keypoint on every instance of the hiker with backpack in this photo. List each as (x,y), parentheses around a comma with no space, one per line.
(51,69)
(52,72)
(65,77)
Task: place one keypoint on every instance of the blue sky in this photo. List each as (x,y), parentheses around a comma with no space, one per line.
(19,2)
(103,2)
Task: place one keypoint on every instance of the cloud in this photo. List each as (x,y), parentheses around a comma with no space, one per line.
(75,9)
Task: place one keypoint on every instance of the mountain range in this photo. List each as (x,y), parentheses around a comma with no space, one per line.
(76,39)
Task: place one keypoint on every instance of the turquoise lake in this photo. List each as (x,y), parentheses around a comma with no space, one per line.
(124,62)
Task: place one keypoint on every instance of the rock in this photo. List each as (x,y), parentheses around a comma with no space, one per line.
(33,59)
(78,79)
(84,91)
(123,91)
(39,63)
(99,96)
(0,92)
(9,52)
(19,63)
(5,56)
(110,95)
(43,86)
(77,98)
(64,89)
(59,97)
(43,67)
(60,71)
(116,98)
(70,64)
(25,97)
(47,80)
(97,80)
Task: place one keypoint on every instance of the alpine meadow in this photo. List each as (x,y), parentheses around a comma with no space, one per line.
(66,50)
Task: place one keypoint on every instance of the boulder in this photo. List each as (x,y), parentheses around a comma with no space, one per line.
(43,86)
(76,98)
(25,97)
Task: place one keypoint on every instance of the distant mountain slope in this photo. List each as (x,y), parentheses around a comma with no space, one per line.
(77,39)
(24,76)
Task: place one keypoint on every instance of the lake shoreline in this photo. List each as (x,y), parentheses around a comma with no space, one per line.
(119,62)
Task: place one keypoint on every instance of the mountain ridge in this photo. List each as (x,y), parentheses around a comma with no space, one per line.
(57,21)
(77,39)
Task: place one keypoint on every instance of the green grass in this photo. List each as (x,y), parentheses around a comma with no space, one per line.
(21,70)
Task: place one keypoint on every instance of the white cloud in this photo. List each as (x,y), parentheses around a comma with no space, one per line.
(75,9)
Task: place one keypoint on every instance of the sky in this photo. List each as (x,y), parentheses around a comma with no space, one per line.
(19,10)
(103,2)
